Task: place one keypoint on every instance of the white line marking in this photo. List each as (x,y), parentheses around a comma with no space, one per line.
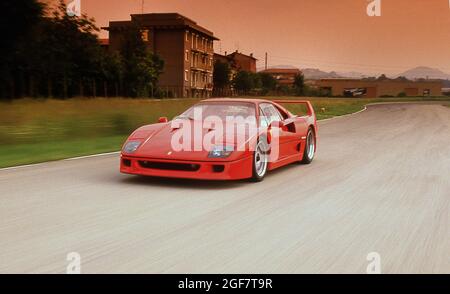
(93,155)
(67,159)
(345,115)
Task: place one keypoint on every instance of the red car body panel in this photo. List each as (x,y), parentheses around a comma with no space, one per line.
(155,156)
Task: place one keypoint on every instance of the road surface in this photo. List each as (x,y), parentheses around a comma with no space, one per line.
(380,183)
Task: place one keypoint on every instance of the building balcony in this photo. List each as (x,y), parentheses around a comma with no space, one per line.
(203,51)
(201,69)
(201,86)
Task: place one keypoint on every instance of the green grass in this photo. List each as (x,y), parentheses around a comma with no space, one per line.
(12,155)
(33,131)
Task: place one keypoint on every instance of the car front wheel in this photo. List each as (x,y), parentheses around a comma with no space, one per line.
(259,161)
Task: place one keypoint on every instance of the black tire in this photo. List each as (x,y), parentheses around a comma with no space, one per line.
(309,152)
(260,154)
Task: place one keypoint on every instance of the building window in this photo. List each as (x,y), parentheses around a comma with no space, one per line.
(186,75)
(187,36)
(194,59)
(144,35)
(192,40)
(186,55)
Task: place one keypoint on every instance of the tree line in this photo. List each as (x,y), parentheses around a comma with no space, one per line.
(47,53)
(250,83)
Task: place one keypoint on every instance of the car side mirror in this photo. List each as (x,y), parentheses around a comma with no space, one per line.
(163,119)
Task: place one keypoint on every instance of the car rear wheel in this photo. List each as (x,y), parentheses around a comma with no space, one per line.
(259,161)
(310,147)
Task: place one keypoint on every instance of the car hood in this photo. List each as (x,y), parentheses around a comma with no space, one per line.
(167,141)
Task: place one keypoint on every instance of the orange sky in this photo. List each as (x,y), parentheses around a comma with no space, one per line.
(326,34)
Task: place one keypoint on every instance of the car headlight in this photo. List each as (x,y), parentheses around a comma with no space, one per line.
(131,146)
(221,151)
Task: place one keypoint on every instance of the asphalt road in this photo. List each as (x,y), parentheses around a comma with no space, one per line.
(380,182)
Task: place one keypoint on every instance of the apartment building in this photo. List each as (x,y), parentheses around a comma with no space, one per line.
(186,48)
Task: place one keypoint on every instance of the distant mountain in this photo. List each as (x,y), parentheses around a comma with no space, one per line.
(352,75)
(278,66)
(316,74)
(283,66)
(423,72)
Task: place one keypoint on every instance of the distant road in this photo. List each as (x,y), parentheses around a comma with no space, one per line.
(380,182)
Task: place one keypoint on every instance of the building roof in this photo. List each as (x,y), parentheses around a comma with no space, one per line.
(245,55)
(162,20)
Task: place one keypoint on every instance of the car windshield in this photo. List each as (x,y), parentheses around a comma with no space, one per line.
(221,110)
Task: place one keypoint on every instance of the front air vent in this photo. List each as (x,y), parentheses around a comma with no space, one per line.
(169,166)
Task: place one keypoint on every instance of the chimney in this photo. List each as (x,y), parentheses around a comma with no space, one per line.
(251,54)
(225,53)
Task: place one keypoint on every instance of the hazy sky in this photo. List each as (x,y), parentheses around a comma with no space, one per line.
(326,34)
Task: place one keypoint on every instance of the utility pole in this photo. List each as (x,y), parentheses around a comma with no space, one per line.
(142,6)
(265,62)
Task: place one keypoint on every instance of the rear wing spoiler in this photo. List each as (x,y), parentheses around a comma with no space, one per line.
(309,107)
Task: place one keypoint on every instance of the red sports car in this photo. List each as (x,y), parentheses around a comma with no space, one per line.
(223,139)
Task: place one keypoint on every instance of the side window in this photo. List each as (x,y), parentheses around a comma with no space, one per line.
(263,122)
(282,113)
(270,113)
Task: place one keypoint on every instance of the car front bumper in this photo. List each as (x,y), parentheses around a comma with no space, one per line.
(204,170)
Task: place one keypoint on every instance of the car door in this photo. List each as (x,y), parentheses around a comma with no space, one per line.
(294,128)
(286,137)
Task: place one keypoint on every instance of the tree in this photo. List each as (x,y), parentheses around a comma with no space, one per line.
(256,81)
(77,54)
(112,71)
(268,82)
(51,53)
(299,84)
(244,81)
(55,49)
(221,75)
(18,19)
(141,67)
